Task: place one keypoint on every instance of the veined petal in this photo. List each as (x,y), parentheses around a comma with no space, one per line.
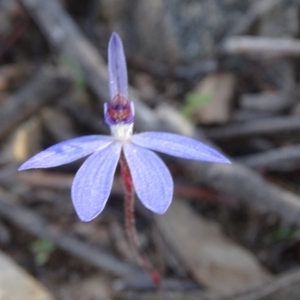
(178,145)
(152,180)
(117,70)
(92,183)
(66,152)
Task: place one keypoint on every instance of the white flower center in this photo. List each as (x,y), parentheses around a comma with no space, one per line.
(121,132)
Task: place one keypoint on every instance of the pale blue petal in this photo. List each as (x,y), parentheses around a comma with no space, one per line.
(117,70)
(178,145)
(152,180)
(92,183)
(66,152)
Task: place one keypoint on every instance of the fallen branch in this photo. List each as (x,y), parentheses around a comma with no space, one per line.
(268,126)
(276,285)
(257,292)
(142,284)
(282,159)
(36,225)
(258,9)
(82,114)
(47,85)
(268,102)
(262,46)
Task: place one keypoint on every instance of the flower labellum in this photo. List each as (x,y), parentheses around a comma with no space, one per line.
(93,182)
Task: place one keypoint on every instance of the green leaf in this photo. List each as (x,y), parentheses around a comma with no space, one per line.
(284,233)
(194,101)
(75,70)
(42,250)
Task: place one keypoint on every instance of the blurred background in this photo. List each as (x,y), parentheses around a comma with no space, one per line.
(225,72)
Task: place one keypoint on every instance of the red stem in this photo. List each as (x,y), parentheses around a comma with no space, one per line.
(130,223)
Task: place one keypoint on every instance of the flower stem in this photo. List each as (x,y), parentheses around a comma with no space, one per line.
(130,223)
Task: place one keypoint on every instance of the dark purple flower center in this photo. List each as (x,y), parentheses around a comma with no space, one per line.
(119,110)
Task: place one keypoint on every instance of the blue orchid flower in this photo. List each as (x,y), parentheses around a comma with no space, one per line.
(151,178)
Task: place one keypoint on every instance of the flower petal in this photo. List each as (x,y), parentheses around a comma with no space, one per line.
(152,180)
(92,183)
(66,152)
(117,70)
(178,145)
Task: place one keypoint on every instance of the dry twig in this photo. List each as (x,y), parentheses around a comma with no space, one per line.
(282,159)
(258,9)
(47,85)
(268,126)
(262,46)
(273,286)
(36,225)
